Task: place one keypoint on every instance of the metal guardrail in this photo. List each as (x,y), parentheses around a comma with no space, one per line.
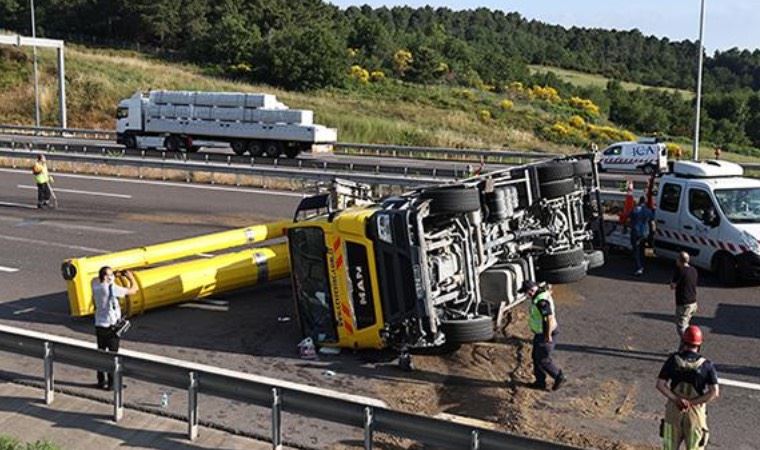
(280,396)
(121,158)
(60,132)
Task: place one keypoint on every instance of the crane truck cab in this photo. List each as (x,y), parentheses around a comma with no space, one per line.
(440,264)
(646,155)
(710,210)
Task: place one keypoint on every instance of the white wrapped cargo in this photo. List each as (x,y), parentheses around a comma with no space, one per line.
(296,116)
(268,101)
(183,111)
(202,112)
(229,114)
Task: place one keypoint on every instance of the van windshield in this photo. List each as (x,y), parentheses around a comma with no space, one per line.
(740,205)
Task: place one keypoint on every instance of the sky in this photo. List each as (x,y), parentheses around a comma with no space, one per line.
(729,23)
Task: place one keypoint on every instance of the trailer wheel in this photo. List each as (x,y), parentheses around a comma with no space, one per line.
(452,199)
(582,168)
(564,275)
(130,141)
(595,259)
(557,188)
(173,143)
(553,171)
(561,259)
(462,331)
(238,147)
(273,149)
(255,148)
(725,267)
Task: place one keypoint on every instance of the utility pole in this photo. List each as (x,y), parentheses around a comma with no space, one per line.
(34,63)
(699,80)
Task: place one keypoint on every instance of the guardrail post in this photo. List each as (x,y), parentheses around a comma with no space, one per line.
(118,394)
(276,419)
(48,363)
(192,407)
(475,442)
(369,425)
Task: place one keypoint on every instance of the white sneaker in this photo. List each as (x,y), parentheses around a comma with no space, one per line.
(639,272)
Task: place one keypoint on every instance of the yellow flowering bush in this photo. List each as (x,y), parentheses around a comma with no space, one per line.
(674,150)
(515,86)
(359,74)
(377,76)
(466,94)
(402,59)
(585,105)
(352,52)
(605,133)
(577,121)
(546,93)
(484,115)
(506,104)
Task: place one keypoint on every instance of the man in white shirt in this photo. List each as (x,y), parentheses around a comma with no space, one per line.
(105,295)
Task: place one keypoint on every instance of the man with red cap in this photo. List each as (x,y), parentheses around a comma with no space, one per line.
(689,381)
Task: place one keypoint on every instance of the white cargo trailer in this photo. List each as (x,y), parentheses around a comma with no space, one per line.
(257,124)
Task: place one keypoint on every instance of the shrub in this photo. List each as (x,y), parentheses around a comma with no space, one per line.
(377,76)
(402,60)
(674,150)
(506,105)
(546,93)
(359,74)
(515,86)
(484,115)
(585,105)
(577,122)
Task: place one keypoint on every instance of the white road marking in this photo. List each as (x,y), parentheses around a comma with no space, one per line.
(206,255)
(18,205)
(53,244)
(740,384)
(76,191)
(65,226)
(24,311)
(170,184)
(8,269)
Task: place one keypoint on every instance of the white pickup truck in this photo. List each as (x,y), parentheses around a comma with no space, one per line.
(710,210)
(257,124)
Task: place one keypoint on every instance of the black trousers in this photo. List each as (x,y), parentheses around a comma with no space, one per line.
(107,340)
(43,194)
(542,359)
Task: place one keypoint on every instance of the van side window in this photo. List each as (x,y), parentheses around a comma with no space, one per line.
(701,205)
(671,197)
(613,151)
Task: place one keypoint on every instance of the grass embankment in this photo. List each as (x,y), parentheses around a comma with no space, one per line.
(9,443)
(389,112)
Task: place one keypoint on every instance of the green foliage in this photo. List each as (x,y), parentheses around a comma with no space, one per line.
(9,443)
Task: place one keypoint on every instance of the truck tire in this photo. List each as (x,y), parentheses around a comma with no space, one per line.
(130,141)
(553,171)
(273,149)
(564,275)
(560,260)
(173,143)
(595,259)
(462,331)
(452,199)
(255,148)
(557,188)
(725,268)
(238,147)
(582,168)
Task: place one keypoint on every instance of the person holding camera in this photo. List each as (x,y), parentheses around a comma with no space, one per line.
(105,296)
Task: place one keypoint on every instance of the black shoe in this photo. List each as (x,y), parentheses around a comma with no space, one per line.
(539,385)
(558,381)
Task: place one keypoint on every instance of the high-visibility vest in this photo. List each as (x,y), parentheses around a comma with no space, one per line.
(40,173)
(536,320)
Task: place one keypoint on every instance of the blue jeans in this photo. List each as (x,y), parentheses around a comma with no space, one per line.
(637,247)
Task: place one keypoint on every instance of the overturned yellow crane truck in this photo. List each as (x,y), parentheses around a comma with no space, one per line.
(434,265)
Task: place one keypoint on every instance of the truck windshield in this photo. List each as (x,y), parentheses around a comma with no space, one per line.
(122,112)
(740,205)
(310,283)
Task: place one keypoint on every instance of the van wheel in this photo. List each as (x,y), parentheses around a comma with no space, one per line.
(462,331)
(648,169)
(725,267)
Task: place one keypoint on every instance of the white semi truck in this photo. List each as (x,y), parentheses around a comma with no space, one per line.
(185,121)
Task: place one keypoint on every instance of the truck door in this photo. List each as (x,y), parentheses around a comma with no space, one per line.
(700,223)
(668,240)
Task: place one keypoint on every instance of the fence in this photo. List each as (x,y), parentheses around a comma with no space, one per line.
(370,415)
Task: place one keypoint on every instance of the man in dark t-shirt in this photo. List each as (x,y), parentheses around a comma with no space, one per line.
(689,381)
(684,282)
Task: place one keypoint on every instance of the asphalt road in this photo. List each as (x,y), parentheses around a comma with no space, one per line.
(616,330)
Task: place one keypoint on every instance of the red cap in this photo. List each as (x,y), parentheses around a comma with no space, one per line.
(692,335)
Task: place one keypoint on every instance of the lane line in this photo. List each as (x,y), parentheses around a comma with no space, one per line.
(53,244)
(65,226)
(17,205)
(739,384)
(170,184)
(76,191)
(8,269)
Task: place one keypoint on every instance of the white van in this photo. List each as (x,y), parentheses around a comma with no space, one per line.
(645,155)
(710,210)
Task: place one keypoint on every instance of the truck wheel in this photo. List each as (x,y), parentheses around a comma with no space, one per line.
(595,259)
(557,188)
(238,147)
(553,171)
(564,275)
(582,168)
(173,143)
(255,148)
(452,199)
(561,259)
(462,331)
(725,267)
(130,141)
(273,149)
